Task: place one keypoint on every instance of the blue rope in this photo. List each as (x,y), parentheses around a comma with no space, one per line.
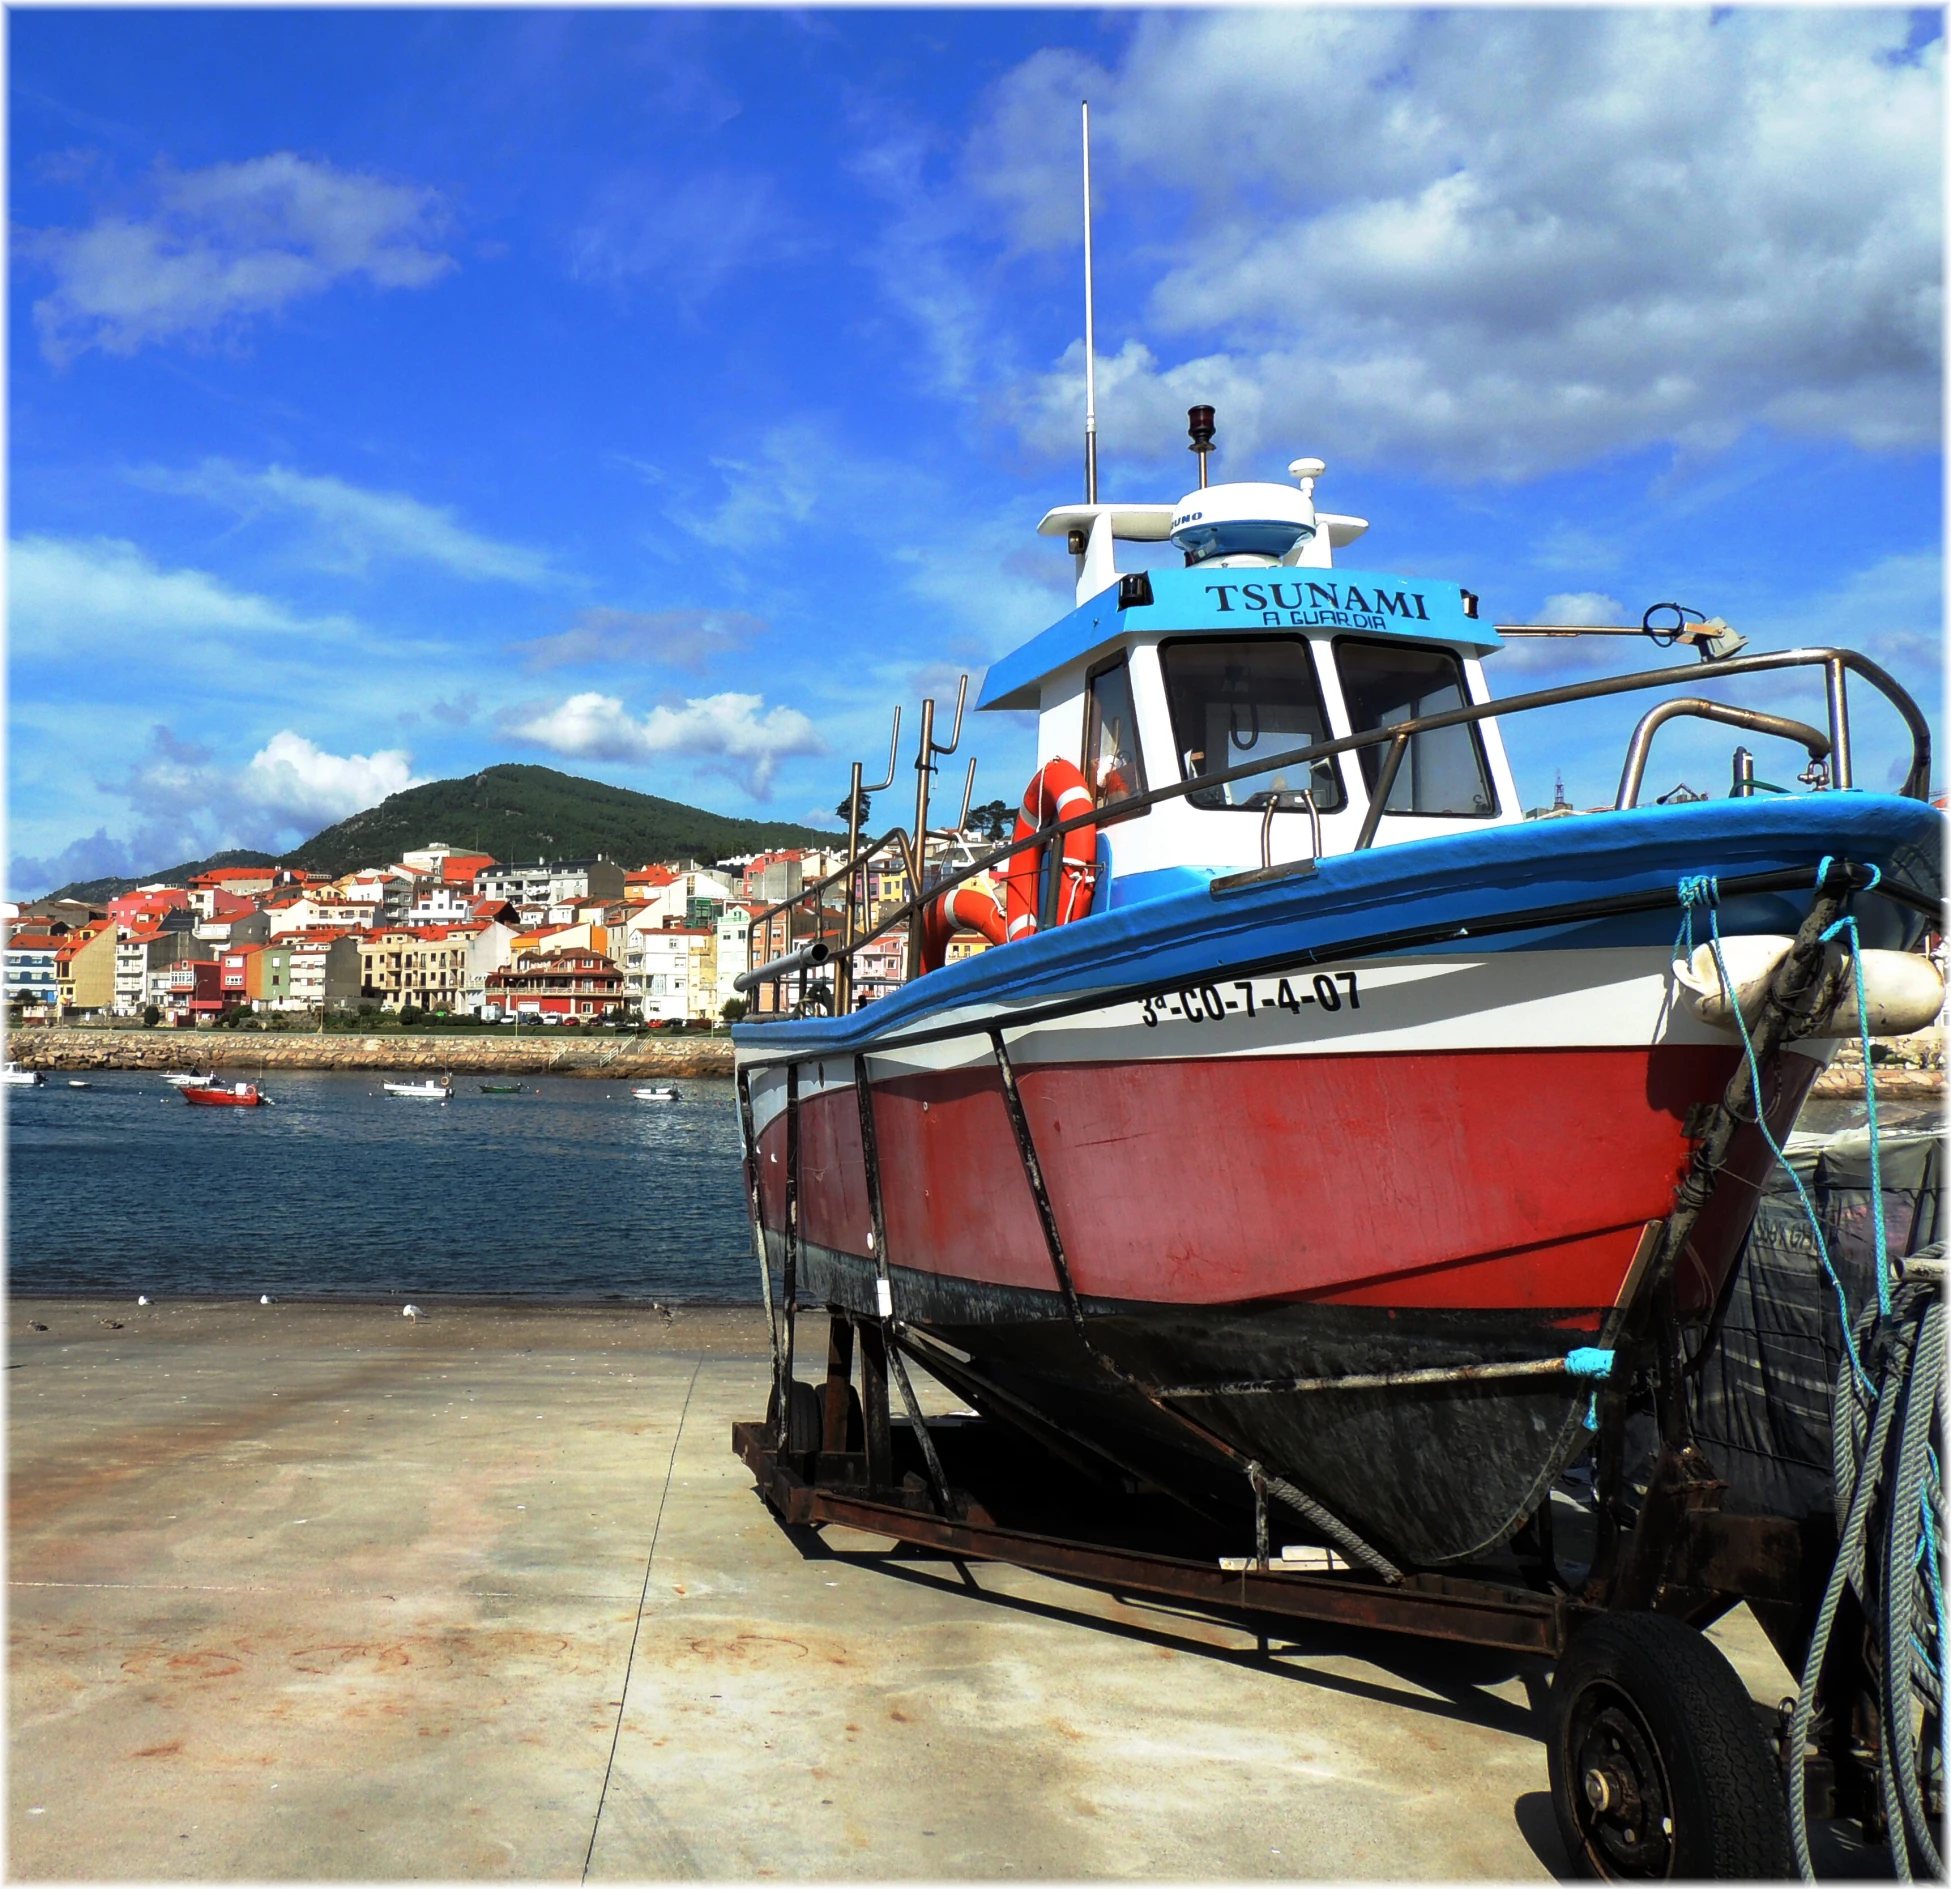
(1687,894)
(1848,923)
(1702,889)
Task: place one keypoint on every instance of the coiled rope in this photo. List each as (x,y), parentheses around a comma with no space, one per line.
(1887,1470)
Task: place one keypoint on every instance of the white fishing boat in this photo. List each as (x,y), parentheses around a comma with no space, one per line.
(656,1095)
(178,1080)
(19,1078)
(420,1091)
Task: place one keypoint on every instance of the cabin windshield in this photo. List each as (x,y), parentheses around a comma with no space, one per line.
(1232,700)
(1443,772)
(1111,761)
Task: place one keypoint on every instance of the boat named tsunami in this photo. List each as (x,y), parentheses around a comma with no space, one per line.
(1314,1127)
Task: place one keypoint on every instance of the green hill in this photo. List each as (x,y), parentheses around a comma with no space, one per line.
(519,812)
(515,813)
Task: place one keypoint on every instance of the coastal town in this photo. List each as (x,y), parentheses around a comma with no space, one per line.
(443,934)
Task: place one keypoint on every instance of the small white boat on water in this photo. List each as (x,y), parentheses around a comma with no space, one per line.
(656,1095)
(75,1082)
(178,1080)
(19,1078)
(420,1091)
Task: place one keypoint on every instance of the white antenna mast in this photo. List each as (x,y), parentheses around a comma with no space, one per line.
(1090,342)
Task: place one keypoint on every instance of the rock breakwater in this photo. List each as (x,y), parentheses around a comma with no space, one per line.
(551,1055)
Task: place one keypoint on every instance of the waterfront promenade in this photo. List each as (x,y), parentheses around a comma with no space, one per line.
(552,1052)
(323,1592)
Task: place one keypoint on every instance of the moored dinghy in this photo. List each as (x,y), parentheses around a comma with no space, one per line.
(237,1095)
(1316,1125)
(428,1091)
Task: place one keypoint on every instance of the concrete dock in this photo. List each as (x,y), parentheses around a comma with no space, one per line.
(320,1591)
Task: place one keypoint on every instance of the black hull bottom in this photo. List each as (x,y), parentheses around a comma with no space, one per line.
(1428,1473)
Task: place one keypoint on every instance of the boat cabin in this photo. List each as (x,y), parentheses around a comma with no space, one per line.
(1260,643)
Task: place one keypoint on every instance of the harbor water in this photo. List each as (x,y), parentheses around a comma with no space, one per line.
(571,1190)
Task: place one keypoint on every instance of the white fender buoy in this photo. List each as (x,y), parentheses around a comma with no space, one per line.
(1902,990)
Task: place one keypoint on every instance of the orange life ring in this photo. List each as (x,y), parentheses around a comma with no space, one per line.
(1057,791)
(970,907)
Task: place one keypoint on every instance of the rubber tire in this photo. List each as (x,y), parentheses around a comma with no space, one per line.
(1725,1789)
(806,1415)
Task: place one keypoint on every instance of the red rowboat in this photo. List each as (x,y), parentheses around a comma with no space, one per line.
(239,1095)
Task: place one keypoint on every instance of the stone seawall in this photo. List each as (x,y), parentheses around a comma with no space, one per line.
(554,1055)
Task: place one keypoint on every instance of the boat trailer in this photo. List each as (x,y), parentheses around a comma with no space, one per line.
(1658,1765)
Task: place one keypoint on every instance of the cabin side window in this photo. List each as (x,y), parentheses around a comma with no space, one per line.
(1443,773)
(1112,765)
(1232,700)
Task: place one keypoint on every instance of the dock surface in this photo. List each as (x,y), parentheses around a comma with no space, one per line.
(308,1591)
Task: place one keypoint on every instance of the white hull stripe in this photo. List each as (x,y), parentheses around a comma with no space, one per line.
(1584,999)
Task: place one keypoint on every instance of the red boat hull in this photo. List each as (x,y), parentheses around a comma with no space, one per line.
(222,1098)
(1285,1216)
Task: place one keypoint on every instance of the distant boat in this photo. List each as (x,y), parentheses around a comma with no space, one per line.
(192,1082)
(501,1088)
(75,1082)
(19,1078)
(420,1091)
(656,1095)
(239,1095)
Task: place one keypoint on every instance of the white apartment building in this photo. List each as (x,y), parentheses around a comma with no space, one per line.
(488,949)
(137,956)
(324,973)
(435,902)
(385,894)
(734,950)
(321,911)
(546,883)
(675,901)
(671,975)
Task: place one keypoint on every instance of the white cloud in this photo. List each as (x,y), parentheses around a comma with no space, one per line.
(736,732)
(687,234)
(1556,658)
(187,806)
(355,527)
(685,639)
(765,498)
(1581,608)
(64,594)
(292,776)
(1494,243)
(229,242)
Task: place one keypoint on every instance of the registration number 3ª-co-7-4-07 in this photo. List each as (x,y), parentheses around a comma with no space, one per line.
(1213,1003)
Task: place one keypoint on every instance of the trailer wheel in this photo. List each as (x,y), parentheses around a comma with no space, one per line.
(1659,1768)
(805,1415)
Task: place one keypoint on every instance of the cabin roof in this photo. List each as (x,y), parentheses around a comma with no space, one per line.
(1213,602)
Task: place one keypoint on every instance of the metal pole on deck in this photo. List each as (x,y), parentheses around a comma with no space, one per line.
(924,767)
(1090,336)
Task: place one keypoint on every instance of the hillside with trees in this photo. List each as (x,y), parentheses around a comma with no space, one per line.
(514,812)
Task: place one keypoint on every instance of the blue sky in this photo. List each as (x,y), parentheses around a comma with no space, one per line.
(662,396)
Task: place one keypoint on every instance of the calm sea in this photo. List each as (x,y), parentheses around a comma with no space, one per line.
(572,1190)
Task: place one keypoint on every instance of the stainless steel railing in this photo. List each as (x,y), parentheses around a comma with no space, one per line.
(1836,665)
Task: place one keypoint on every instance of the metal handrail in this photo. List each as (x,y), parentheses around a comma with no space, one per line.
(1833,662)
(1751,719)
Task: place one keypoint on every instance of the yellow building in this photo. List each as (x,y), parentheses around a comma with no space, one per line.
(84,970)
(423,965)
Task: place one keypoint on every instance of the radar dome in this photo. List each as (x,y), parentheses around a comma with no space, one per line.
(1246,522)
